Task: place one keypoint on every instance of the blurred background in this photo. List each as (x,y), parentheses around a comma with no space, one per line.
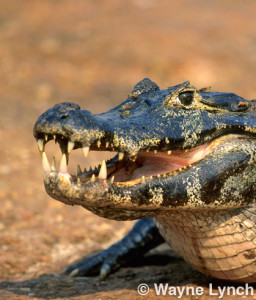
(92,53)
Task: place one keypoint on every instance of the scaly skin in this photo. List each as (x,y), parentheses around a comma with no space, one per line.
(186,157)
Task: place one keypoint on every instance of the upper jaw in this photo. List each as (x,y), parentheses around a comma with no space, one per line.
(102,132)
(73,128)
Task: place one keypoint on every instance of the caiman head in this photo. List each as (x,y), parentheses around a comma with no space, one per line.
(176,148)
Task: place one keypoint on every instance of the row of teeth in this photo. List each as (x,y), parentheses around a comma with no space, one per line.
(86,149)
(63,167)
(63,163)
(48,167)
(103,169)
(70,147)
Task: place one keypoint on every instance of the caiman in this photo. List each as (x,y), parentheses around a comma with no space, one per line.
(185,158)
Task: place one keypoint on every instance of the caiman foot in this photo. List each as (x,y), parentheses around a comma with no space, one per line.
(142,237)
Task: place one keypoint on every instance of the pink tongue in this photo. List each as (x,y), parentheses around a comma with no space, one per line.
(155,166)
(152,164)
(161,162)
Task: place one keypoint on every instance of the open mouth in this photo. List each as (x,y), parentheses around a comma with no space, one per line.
(123,169)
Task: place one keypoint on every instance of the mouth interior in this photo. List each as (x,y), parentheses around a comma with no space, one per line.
(150,164)
(122,169)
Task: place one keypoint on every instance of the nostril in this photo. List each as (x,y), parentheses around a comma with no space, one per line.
(149,102)
(64,116)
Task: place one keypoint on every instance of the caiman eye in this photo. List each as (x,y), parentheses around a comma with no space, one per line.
(186,98)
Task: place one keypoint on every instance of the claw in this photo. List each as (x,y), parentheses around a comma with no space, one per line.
(104,271)
(74,273)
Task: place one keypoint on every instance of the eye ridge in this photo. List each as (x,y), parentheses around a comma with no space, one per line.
(186,98)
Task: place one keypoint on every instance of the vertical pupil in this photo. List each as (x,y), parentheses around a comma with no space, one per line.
(186,98)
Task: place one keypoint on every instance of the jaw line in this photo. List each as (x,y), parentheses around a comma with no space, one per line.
(184,160)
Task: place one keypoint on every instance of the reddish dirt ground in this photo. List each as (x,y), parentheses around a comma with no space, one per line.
(92,52)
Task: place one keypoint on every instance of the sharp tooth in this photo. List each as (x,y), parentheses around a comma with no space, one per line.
(169,152)
(54,136)
(53,164)
(70,146)
(112,179)
(46,165)
(103,171)
(120,155)
(155,151)
(79,170)
(93,178)
(86,151)
(46,137)
(98,144)
(63,164)
(40,143)
(143,179)
(78,180)
(133,158)
(158,176)
(107,144)
(147,150)
(167,140)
